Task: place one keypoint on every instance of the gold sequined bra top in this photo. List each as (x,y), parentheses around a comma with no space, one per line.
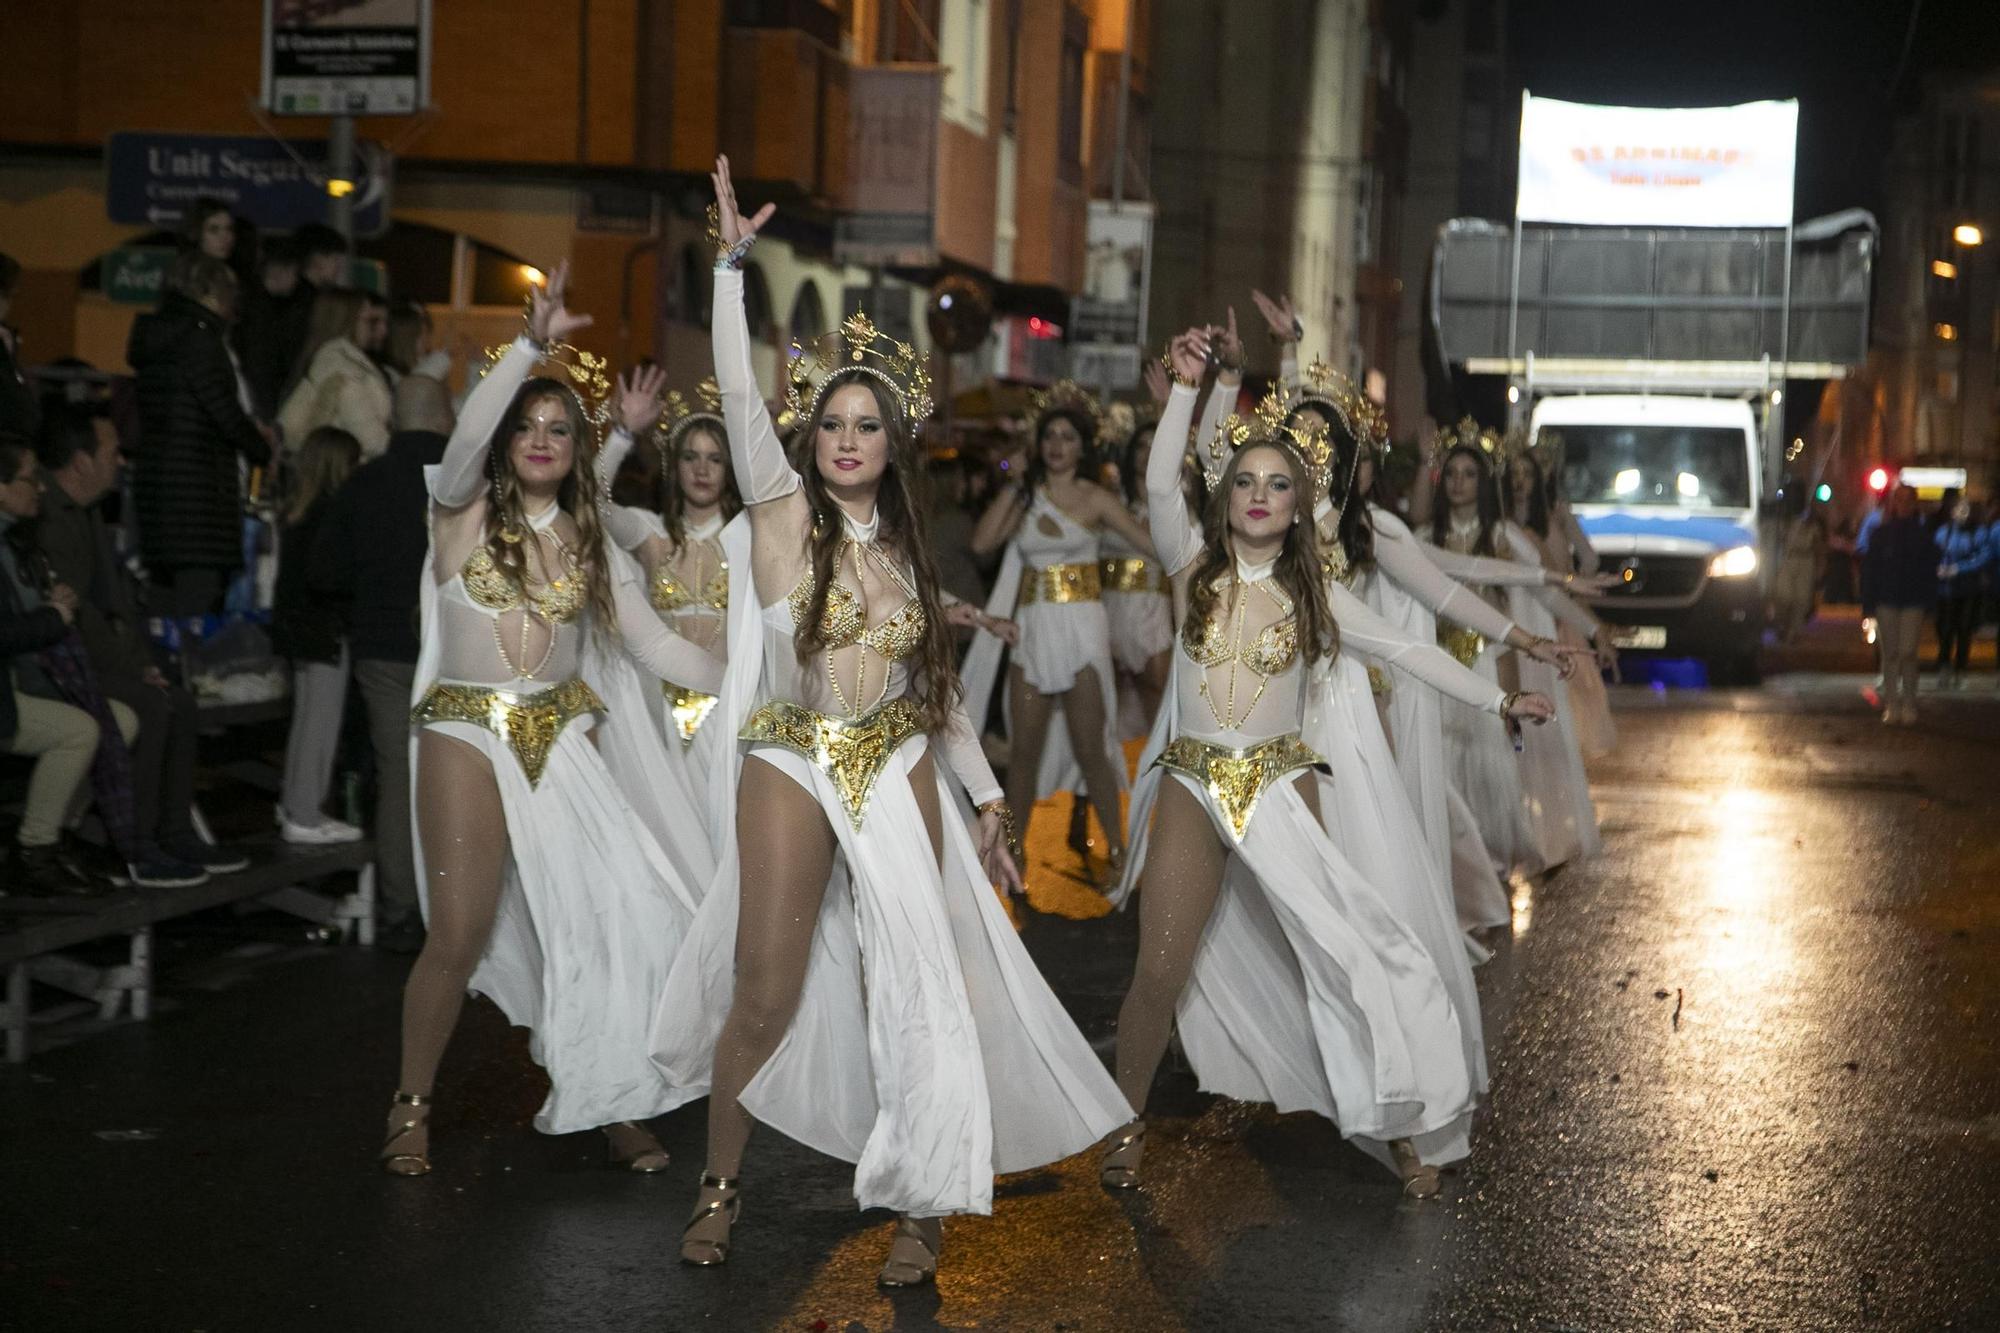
(561,601)
(669,594)
(843,622)
(1271,653)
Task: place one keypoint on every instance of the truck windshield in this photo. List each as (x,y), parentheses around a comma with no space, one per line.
(1669,467)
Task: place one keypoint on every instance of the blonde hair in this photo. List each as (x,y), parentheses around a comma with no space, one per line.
(322,466)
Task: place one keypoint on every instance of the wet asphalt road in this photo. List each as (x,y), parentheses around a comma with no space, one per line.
(1745,1077)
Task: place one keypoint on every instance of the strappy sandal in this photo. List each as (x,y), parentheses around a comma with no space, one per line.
(900,1273)
(644,1161)
(408,1163)
(704,1253)
(1120,1168)
(1420,1180)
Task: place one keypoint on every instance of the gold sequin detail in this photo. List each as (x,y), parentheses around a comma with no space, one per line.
(843,621)
(690,708)
(1464,644)
(529,723)
(1379,682)
(1271,653)
(1061,584)
(560,602)
(1237,779)
(852,754)
(669,594)
(1131,573)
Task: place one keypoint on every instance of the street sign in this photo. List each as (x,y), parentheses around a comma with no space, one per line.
(889,212)
(1110,366)
(1118,261)
(347,57)
(153,179)
(135,274)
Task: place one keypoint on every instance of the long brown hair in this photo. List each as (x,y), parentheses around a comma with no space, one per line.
(902,520)
(673,504)
(1298,571)
(322,466)
(576,495)
(1490,516)
(333,314)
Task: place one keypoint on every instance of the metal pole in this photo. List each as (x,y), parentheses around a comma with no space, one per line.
(1124,107)
(340,167)
(1514,296)
(1774,412)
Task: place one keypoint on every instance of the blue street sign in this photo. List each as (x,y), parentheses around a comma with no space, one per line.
(153,179)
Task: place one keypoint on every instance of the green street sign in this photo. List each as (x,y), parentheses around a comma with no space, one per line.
(135,274)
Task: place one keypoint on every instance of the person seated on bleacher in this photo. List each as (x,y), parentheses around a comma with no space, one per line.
(81,461)
(61,739)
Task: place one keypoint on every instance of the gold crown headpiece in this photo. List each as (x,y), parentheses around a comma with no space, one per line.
(1468,434)
(1334,394)
(1071,397)
(681,414)
(858,345)
(1310,443)
(584,371)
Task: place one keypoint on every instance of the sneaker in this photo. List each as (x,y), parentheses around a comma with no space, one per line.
(317,835)
(211,857)
(50,872)
(161,871)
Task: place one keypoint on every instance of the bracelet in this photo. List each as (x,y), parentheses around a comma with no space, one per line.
(1167,364)
(1000,807)
(1507,702)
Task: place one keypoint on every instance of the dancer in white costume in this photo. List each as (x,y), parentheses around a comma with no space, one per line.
(1136,601)
(690,579)
(1565,550)
(1295,977)
(541,886)
(879,1006)
(1051,583)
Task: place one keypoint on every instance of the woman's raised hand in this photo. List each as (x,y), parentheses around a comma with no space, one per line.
(729,220)
(549,316)
(639,400)
(1228,345)
(1279,316)
(1187,355)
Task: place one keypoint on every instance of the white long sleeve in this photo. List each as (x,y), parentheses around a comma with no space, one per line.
(1174,535)
(628,526)
(1555,599)
(756,453)
(967,760)
(461,474)
(658,649)
(1215,409)
(1486,571)
(1402,557)
(1363,631)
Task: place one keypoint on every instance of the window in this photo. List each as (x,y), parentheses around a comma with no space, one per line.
(696,286)
(1673,467)
(963,49)
(756,302)
(808,318)
(907,32)
(1069,126)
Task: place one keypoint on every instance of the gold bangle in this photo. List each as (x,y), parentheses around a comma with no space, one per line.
(999,807)
(1167,363)
(1507,702)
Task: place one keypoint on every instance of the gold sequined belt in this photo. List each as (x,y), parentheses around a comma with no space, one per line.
(1131,573)
(852,752)
(689,707)
(1464,644)
(1378,681)
(1237,779)
(529,723)
(1060,584)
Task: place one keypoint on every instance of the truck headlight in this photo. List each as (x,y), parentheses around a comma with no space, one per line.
(1735,563)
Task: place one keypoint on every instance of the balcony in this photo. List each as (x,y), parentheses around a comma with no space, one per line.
(785,95)
(816,20)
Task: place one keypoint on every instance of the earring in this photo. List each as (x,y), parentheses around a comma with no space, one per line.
(508,532)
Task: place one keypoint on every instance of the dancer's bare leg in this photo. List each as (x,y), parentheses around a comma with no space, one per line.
(1083,713)
(1028,716)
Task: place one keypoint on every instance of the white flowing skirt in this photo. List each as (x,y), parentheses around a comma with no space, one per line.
(1486,772)
(684,793)
(1562,822)
(1589,701)
(591,913)
(926,1048)
(1058,641)
(1142,627)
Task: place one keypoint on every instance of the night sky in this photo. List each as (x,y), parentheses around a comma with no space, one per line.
(1838,57)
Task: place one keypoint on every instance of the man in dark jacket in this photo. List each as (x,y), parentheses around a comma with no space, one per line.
(193,429)
(80,457)
(61,739)
(19,413)
(370,554)
(272,328)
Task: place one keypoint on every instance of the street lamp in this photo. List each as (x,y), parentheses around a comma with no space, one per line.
(1968,234)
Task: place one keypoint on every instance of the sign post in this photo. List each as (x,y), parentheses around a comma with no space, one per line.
(1107,325)
(347,57)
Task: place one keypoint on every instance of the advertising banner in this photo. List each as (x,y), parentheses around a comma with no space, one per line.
(346,57)
(1632,166)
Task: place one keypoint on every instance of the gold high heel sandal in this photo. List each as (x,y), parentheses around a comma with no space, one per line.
(708,1253)
(1119,1169)
(1420,1181)
(900,1273)
(408,1163)
(646,1160)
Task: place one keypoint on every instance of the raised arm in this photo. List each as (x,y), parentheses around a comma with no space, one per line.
(461,476)
(638,410)
(1174,534)
(656,648)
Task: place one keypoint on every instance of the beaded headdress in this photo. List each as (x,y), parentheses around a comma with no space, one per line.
(682,415)
(1309,442)
(858,345)
(584,371)
(1337,398)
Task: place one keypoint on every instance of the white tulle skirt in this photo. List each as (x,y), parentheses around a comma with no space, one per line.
(926,1048)
(1589,701)
(1142,627)
(1561,821)
(1486,772)
(591,914)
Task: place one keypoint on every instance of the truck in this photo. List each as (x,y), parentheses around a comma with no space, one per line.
(1654,363)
